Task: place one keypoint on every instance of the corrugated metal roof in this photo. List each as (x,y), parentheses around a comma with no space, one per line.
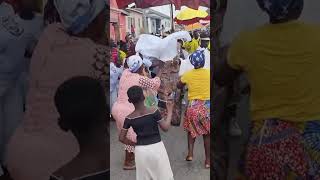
(120,11)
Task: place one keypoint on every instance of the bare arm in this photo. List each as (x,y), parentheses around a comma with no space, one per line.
(123,138)
(166,122)
(180,85)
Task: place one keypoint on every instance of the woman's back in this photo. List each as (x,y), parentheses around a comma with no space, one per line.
(58,57)
(198,82)
(127,80)
(281,61)
(145,126)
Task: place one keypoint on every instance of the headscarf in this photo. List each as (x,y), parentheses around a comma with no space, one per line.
(197,59)
(134,63)
(281,9)
(147,61)
(76,15)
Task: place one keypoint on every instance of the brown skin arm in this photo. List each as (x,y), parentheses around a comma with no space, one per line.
(123,138)
(180,85)
(166,123)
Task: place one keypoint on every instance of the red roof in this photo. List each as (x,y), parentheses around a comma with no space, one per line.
(194,4)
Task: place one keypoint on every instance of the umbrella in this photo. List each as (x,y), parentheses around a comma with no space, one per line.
(151,3)
(191,16)
(194,26)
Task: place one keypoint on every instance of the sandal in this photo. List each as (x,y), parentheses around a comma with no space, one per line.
(189,158)
(207,165)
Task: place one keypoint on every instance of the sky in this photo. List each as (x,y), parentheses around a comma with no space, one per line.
(166,9)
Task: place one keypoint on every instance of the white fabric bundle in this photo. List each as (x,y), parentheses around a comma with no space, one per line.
(162,49)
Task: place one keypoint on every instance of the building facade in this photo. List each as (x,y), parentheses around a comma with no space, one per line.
(154,21)
(135,21)
(117,22)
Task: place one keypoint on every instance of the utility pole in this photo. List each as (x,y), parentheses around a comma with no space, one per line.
(172,21)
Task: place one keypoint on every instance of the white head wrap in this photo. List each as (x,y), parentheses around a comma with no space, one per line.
(76,15)
(147,61)
(134,63)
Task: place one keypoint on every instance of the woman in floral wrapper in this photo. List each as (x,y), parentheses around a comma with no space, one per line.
(285,127)
(197,117)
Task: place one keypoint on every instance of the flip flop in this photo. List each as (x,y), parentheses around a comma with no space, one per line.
(189,158)
(129,167)
(207,165)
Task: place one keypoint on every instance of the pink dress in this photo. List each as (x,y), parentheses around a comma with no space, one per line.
(122,108)
(39,147)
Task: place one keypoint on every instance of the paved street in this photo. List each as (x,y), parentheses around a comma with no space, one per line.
(176,143)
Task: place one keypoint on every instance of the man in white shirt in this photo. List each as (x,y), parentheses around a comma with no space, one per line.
(115,74)
(5,39)
(17,40)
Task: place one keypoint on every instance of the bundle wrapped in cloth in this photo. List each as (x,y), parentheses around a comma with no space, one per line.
(165,50)
(162,49)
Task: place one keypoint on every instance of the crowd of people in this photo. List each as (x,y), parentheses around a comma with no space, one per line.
(148,90)
(53,90)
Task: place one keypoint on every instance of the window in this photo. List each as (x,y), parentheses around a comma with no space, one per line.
(129,23)
(139,23)
(133,22)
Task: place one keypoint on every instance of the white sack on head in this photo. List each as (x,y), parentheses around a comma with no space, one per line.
(162,49)
(148,45)
(183,35)
(153,46)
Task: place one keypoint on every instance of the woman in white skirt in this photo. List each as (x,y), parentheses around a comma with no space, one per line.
(152,162)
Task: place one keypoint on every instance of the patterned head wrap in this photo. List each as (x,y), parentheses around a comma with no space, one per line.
(281,9)
(197,59)
(134,63)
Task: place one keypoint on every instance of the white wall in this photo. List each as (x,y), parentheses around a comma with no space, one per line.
(243,15)
(166,23)
(138,18)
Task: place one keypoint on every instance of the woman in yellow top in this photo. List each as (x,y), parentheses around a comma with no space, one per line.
(122,55)
(281,61)
(197,117)
(193,45)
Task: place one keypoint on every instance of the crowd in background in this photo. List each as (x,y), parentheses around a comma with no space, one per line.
(182,80)
(53,79)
